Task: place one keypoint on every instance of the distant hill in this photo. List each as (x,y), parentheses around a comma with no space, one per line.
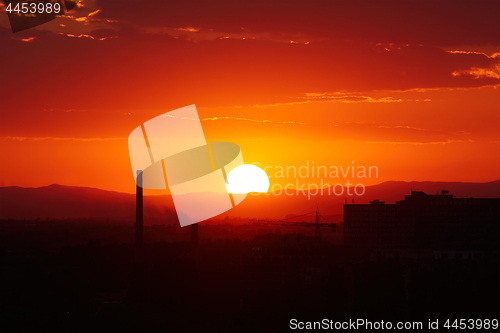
(60,202)
(390,192)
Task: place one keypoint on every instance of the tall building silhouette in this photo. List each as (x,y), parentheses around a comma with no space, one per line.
(424,221)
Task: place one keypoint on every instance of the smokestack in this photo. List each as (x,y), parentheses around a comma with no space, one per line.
(138,286)
(139,211)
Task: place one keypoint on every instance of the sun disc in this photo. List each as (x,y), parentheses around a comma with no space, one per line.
(247,178)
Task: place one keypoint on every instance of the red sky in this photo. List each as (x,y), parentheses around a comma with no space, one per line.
(408,86)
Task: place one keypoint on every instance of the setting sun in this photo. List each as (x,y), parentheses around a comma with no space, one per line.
(247,178)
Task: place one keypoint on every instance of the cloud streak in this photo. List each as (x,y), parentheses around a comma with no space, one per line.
(50,138)
(364,20)
(445,142)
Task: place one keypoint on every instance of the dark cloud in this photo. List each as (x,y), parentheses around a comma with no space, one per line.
(429,22)
(150,70)
(137,70)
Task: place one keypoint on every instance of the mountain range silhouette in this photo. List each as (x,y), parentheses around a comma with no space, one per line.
(70,202)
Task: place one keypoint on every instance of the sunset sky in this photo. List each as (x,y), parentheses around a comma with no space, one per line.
(411,87)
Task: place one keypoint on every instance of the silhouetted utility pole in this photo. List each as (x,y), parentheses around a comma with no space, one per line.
(317,226)
(139,215)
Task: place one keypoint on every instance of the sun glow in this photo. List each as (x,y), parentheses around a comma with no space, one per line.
(247,178)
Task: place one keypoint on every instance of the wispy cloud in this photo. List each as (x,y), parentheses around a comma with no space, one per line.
(65,110)
(345,124)
(255,120)
(208,34)
(335,97)
(86,36)
(494,55)
(85,19)
(188,29)
(50,138)
(240,119)
(445,142)
(343,97)
(27,40)
(478,72)
(405,127)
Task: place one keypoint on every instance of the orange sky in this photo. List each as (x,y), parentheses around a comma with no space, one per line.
(289,83)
